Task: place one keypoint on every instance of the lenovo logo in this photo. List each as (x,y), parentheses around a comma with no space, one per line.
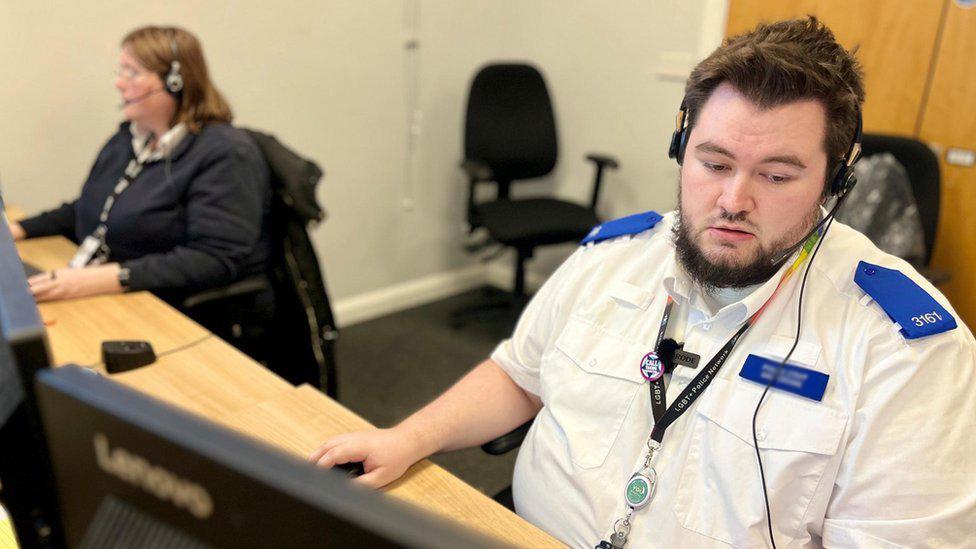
(165,485)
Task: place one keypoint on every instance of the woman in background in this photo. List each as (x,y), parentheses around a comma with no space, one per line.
(177,200)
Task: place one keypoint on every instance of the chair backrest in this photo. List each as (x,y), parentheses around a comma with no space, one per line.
(922,166)
(509,123)
(305,328)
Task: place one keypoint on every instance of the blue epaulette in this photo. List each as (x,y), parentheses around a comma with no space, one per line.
(632,224)
(916,312)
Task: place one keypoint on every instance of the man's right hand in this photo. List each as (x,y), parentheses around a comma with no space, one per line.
(16,230)
(482,405)
(385,454)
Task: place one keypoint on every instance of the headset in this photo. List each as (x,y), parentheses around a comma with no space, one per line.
(174,80)
(842,182)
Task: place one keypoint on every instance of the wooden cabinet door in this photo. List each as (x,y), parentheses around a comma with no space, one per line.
(896,40)
(949,121)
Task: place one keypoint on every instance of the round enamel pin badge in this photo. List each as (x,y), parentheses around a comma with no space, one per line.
(651,367)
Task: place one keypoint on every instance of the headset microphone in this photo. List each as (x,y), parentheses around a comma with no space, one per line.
(830,215)
(142,97)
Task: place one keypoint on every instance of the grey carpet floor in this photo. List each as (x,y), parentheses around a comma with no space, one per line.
(391,366)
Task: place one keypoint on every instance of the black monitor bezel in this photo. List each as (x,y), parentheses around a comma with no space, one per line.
(208,454)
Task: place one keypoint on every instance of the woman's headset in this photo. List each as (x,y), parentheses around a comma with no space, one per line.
(843,179)
(174,80)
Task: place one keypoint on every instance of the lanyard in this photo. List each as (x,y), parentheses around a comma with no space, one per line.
(94,248)
(640,487)
(664,418)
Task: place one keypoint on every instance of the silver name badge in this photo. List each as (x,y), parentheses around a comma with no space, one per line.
(85,252)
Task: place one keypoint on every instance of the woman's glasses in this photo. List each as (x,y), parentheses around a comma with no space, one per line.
(126,72)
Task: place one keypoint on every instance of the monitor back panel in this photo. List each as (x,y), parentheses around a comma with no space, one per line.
(128,467)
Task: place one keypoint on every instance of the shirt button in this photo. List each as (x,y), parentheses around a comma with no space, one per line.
(706,326)
(592,362)
(761,435)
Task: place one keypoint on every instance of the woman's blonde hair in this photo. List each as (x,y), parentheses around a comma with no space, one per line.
(199,102)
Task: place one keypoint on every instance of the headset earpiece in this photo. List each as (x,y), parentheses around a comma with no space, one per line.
(844,181)
(679,140)
(174,80)
(844,177)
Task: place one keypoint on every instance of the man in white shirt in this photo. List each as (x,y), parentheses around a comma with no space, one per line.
(843,365)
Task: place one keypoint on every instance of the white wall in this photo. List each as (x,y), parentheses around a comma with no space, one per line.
(616,73)
(334,80)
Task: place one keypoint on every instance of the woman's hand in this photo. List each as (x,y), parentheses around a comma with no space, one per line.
(16,230)
(75,283)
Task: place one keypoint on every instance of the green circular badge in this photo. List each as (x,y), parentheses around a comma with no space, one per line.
(640,489)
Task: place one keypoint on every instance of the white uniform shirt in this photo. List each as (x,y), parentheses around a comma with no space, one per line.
(886,458)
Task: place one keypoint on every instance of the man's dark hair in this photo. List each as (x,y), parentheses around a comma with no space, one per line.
(783,62)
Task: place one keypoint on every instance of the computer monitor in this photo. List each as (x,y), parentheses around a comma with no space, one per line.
(88,462)
(132,469)
(20,321)
(26,483)
(29,270)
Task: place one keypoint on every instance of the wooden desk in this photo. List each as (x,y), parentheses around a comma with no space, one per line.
(212,379)
(14,213)
(299,420)
(77,327)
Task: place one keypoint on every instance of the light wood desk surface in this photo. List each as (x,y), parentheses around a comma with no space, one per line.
(77,327)
(214,380)
(14,213)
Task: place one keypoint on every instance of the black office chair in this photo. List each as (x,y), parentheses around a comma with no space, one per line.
(922,167)
(510,136)
(298,341)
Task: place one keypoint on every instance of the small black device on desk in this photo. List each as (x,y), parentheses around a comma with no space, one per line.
(122,356)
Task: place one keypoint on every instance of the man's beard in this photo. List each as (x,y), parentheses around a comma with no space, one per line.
(764,264)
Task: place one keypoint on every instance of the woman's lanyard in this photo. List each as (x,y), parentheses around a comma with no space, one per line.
(640,487)
(93,249)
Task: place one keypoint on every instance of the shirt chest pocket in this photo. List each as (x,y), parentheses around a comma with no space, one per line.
(720,491)
(595,377)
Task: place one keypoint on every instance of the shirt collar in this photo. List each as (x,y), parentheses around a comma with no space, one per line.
(679,285)
(165,145)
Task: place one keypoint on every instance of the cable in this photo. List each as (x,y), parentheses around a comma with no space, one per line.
(796,341)
(184,347)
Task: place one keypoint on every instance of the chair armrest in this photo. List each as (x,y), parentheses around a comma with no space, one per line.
(600,162)
(247,286)
(508,441)
(603,160)
(477,170)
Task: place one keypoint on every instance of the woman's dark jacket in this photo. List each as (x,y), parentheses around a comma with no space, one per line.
(195,221)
